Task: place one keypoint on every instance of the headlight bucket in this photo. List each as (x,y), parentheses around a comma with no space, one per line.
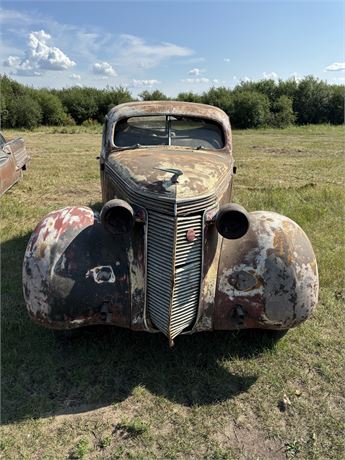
(232,221)
(117,216)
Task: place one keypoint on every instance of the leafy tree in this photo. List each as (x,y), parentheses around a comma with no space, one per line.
(81,103)
(282,112)
(312,101)
(155,95)
(52,109)
(287,88)
(251,110)
(335,111)
(10,89)
(249,104)
(25,112)
(110,97)
(219,97)
(268,88)
(189,97)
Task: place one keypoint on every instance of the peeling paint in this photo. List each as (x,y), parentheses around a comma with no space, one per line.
(101,274)
(75,273)
(283,282)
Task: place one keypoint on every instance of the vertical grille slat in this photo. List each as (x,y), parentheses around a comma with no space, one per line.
(160,261)
(173,279)
(188,259)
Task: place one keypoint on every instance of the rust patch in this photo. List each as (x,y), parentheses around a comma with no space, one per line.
(271,273)
(190,235)
(13,160)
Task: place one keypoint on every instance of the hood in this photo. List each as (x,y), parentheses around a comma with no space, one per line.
(202,171)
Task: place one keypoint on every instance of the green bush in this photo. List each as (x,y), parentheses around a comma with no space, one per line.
(251,110)
(335,113)
(249,104)
(80,103)
(189,97)
(109,98)
(53,112)
(219,97)
(287,88)
(89,122)
(268,88)
(25,112)
(153,96)
(10,90)
(282,112)
(312,101)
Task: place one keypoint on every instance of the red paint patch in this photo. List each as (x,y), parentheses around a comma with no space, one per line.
(190,235)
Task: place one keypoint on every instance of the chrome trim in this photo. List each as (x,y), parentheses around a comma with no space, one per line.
(174,267)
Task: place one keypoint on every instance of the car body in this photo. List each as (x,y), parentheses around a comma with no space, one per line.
(14,159)
(169,252)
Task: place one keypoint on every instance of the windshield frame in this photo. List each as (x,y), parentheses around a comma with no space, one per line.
(169,117)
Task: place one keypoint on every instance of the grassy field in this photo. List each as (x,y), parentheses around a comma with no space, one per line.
(111,393)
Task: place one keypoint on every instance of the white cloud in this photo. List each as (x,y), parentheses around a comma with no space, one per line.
(196,80)
(75,76)
(134,50)
(226,60)
(270,76)
(129,55)
(202,80)
(39,56)
(45,56)
(335,67)
(12,61)
(13,16)
(144,83)
(196,72)
(104,68)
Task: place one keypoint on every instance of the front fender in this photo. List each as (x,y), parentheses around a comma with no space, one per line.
(268,278)
(75,273)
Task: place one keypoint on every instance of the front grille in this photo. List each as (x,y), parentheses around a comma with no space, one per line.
(160,247)
(188,260)
(173,271)
(174,264)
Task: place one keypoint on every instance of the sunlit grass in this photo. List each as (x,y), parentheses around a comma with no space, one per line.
(111,393)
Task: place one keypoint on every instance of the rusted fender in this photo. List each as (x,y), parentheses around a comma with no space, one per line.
(268,278)
(75,273)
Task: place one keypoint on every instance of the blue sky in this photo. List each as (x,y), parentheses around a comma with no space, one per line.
(170,45)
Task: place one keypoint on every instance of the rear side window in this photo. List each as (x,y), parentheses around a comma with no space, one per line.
(169,130)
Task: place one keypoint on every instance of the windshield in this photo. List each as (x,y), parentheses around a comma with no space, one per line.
(169,130)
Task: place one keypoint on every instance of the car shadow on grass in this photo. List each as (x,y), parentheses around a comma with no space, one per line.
(44,376)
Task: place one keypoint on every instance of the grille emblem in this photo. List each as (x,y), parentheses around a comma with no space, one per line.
(190,235)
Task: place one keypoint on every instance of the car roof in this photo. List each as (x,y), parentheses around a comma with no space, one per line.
(132,109)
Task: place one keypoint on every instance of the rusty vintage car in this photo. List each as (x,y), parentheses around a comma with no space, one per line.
(168,252)
(14,159)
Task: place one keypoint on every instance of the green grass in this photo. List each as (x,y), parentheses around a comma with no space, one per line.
(114,394)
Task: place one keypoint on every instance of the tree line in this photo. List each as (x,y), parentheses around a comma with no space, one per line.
(249,105)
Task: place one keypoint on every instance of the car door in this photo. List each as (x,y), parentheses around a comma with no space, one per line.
(8,173)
